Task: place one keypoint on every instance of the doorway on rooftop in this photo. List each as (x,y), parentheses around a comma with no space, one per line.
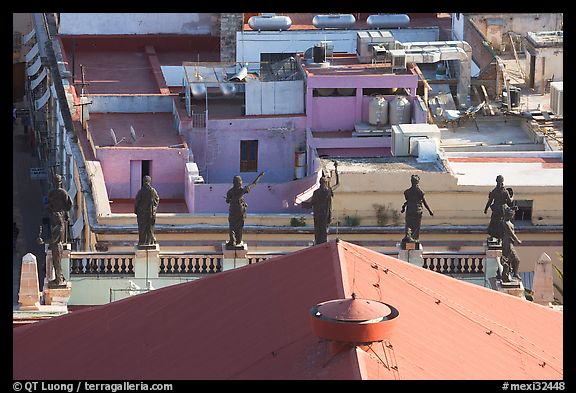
(139,169)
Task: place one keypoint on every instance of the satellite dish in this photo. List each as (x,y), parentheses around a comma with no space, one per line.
(240,75)
(114,139)
(132,134)
(113,135)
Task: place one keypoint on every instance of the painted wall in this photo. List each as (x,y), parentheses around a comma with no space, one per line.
(549,64)
(167,169)
(341,113)
(278,138)
(136,23)
(265,197)
(520,23)
(332,113)
(131,103)
(452,203)
(274,98)
(250,44)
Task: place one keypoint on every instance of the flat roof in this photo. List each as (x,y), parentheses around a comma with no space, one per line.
(119,64)
(152,129)
(346,65)
(501,134)
(377,164)
(517,171)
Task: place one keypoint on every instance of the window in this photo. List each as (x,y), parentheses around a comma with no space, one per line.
(524,212)
(248,156)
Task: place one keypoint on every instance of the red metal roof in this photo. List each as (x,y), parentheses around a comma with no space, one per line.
(253,323)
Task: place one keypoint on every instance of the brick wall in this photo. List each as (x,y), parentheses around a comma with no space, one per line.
(229,25)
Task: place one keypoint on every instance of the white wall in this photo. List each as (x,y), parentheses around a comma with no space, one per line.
(249,44)
(130,104)
(458,26)
(274,98)
(136,23)
(173,75)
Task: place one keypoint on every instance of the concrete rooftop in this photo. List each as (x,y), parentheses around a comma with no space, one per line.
(152,129)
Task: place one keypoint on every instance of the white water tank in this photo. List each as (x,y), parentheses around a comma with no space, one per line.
(378,111)
(388,21)
(266,22)
(334,21)
(399,110)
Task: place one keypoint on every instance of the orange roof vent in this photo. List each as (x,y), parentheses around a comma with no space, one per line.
(354,321)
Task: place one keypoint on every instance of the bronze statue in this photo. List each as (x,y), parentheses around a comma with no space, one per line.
(145,206)
(510,260)
(498,199)
(237,210)
(321,203)
(59,204)
(413,206)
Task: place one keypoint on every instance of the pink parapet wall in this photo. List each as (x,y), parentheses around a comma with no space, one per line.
(264,198)
(122,170)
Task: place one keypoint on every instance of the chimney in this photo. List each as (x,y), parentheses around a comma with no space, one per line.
(353,322)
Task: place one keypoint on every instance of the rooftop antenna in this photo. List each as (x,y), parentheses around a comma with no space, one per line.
(132,134)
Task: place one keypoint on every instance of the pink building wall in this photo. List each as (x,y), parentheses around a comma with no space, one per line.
(278,139)
(167,170)
(341,113)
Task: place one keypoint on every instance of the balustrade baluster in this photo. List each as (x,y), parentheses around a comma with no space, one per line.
(460,268)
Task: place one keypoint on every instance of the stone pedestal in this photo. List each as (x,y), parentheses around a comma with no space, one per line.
(232,259)
(64,263)
(57,295)
(411,252)
(514,288)
(492,267)
(543,283)
(29,294)
(147,261)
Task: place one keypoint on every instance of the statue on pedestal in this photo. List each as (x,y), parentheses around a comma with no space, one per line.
(237,210)
(59,204)
(413,206)
(321,203)
(145,206)
(498,199)
(510,260)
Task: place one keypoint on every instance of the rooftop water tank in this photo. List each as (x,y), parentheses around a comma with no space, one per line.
(399,112)
(378,111)
(265,22)
(198,89)
(388,21)
(334,21)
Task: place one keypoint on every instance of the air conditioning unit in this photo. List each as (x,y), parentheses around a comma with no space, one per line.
(366,39)
(398,59)
(408,139)
(557,98)
(379,53)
